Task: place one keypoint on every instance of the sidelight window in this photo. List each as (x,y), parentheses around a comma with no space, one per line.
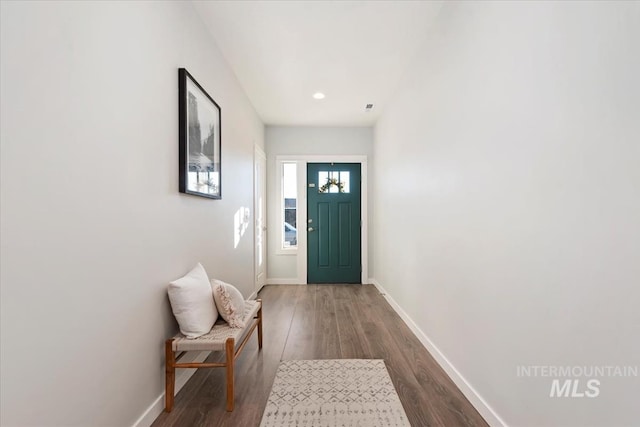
(289,193)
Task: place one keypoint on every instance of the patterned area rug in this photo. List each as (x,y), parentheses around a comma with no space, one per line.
(333,393)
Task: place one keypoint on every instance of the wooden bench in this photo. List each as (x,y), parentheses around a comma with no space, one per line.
(221,337)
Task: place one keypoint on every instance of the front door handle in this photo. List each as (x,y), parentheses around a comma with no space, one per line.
(310,229)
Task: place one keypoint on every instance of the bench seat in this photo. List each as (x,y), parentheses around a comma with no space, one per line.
(221,337)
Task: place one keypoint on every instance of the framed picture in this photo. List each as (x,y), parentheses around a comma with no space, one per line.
(200,134)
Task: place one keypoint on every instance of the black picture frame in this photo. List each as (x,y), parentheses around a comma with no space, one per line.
(200,122)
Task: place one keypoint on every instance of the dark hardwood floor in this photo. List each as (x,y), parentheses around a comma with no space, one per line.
(324,322)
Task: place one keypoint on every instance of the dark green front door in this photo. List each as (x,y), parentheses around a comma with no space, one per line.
(333,223)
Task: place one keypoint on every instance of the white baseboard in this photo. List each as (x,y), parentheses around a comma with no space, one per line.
(470,393)
(275,281)
(182,376)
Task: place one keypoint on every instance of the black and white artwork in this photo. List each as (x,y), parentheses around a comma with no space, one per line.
(200,136)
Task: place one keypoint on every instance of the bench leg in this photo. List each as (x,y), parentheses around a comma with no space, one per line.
(230,347)
(170,370)
(260,326)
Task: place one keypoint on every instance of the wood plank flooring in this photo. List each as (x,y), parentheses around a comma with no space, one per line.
(324,322)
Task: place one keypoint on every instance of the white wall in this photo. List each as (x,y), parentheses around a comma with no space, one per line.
(93,226)
(304,141)
(508,159)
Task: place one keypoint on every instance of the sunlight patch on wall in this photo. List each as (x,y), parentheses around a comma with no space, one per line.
(240,224)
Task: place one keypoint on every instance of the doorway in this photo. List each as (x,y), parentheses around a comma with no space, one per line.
(334,227)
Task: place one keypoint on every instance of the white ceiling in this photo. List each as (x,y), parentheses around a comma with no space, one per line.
(282,52)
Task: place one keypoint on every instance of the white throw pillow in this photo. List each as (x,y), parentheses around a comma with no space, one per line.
(192,303)
(229,302)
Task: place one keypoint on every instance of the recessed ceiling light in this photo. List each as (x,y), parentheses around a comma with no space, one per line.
(318,95)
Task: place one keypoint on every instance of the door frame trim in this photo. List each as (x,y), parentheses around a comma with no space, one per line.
(258,152)
(302,161)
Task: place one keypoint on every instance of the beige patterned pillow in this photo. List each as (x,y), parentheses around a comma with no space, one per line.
(229,302)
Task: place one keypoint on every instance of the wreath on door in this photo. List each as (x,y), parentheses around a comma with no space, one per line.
(330,182)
